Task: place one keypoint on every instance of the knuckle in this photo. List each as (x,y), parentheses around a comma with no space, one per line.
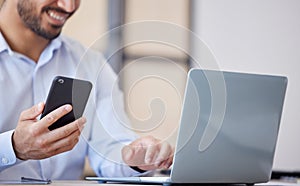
(23,113)
(47,150)
(71,142)
(69,148)
(50,118)
(50,153)
(33,132)
(75,141)
(32,110)
(65,132)
(150,138)
(41,143)
(153,141)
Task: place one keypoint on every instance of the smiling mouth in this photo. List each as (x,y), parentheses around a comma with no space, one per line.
(58,17)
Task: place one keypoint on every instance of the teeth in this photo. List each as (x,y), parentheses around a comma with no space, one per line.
(55,16)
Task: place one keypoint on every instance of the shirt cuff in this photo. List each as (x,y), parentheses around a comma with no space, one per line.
(137,169)
(7,153)
(139,172)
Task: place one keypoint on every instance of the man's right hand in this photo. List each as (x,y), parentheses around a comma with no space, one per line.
(33,140)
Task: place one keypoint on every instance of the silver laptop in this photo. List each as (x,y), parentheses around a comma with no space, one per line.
(228,129)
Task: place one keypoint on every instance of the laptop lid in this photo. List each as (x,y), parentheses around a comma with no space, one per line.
(229,127)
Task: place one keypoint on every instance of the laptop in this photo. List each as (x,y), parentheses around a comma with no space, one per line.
(228,130)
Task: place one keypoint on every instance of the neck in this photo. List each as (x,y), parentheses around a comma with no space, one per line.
(20,38)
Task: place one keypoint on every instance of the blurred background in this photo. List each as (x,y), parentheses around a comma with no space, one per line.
(152,70)
(151,44)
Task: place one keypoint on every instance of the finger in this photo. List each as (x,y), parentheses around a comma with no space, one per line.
(49,147)
(67,130)
(64,145)
(80,123)
(167,163)
(151,154)
(164,154)
(127,154)
(32,112)
(53,116)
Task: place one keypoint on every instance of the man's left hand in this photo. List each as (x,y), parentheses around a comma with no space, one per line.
(148,153)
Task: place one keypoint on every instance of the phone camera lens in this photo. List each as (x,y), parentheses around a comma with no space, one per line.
(61,81)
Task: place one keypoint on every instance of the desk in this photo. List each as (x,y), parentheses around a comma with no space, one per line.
(80,183)
(93,183)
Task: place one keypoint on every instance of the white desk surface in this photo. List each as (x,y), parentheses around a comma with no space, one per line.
(94,183)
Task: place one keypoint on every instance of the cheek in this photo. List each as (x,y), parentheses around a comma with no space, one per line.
(77,3)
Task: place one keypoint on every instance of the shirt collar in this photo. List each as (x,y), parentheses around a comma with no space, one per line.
(49,51)
(55,43)
(3,44)
(46,54)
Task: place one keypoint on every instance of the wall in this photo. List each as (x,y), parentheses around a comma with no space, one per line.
(154,74)
(89,23)
(154,71)
(259,36)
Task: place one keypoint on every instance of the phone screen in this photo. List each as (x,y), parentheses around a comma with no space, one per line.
(65,90)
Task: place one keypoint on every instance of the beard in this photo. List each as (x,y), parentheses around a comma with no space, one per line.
(26,11)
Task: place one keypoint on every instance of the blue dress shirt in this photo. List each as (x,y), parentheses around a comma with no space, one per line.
(25,83)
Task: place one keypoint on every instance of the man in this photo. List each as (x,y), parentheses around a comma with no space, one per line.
(32,53)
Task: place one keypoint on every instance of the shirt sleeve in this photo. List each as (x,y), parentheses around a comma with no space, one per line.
(7,154)
(111,129)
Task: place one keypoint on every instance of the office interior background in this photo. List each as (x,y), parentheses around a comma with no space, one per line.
(254,36)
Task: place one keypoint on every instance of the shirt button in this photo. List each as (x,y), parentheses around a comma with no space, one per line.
(4,161)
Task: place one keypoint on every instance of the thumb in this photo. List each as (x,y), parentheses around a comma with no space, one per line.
(32,112)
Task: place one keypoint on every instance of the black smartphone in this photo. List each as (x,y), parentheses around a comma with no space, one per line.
(65,90)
